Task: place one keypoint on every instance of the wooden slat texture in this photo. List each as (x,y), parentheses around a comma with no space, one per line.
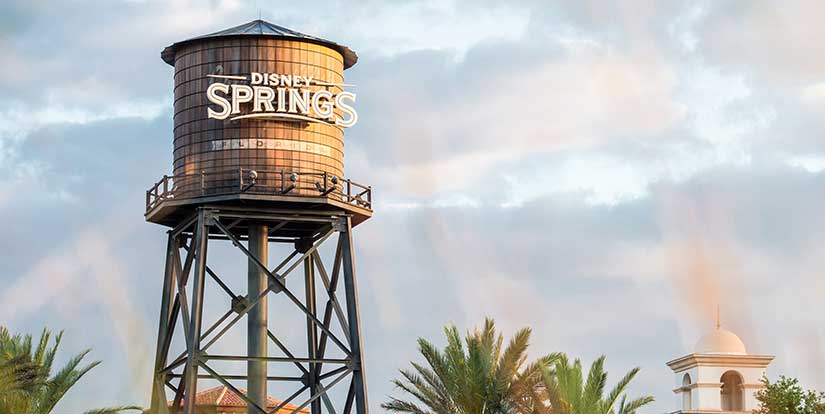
(194,132)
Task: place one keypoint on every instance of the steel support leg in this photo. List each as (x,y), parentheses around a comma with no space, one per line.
(257,317)
(354,317)
(165,329)
(312,332)
(200,240)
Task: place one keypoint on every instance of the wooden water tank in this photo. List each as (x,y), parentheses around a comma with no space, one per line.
(213,156)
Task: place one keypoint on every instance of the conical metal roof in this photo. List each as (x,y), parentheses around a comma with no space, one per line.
(264,29)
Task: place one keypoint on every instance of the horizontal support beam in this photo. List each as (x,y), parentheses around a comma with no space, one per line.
(241,377)
(271,212)
(226,383)
(290,218)
(276,359)
(244,238)
(285,350)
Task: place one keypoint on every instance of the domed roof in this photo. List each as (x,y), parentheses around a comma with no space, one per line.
(720,341)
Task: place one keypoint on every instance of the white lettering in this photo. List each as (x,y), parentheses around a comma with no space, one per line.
(281,99)
(212,95)
(263,97)
(294,97)
(240,94)
(347,109)
(286,80)
(299,100)
(321,104)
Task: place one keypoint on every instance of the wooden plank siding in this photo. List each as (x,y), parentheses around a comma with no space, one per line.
(194,133)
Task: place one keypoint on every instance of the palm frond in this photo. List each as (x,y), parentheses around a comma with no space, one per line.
(401,406)
(432,379)
(64,380)
(613,397)
(26,381)
(410,388)
(632,406)
(567,393)
(513,357)
(594,386)
(473,375)
(114,410)
(48,361)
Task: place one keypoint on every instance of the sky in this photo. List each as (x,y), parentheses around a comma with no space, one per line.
(606,173)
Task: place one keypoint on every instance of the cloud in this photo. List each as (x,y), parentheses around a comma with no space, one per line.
(644,276)
(74,257)
(472,124)
(88,260)
(769,39)
(604,173)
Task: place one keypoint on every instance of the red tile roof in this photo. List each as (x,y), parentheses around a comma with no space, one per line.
(224,398)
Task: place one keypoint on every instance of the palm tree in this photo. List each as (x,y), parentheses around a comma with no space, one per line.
(27,385)
(569,393)
(482,378)
(17,377)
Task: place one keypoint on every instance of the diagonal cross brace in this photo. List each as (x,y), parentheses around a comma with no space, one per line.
(252,304)
(230,386)
(322,391)
(331,286)
(278,283)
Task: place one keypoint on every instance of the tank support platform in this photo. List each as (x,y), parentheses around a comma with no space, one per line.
(333,359)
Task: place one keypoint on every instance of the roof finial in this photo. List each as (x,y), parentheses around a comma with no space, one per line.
(718,319)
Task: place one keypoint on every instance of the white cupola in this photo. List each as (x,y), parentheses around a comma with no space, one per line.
(719,376)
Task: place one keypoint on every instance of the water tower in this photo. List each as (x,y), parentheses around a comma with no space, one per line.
(259,119)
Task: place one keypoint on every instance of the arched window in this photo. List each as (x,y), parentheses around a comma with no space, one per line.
(686,397)
(732,391)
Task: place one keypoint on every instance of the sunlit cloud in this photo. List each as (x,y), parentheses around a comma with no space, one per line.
(606,173)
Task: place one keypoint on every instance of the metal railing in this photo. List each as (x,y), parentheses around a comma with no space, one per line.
(261,182)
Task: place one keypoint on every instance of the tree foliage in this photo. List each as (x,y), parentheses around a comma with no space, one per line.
(27,384)
(786,396)
(570,393)
(477,376)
